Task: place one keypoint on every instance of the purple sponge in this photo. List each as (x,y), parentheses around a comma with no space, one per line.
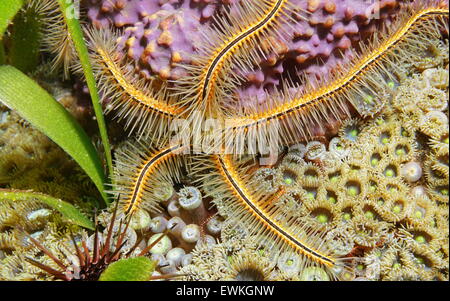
(160,41)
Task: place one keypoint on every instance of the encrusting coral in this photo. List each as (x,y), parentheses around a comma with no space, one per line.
(29,160)
(382,185)
(24,220)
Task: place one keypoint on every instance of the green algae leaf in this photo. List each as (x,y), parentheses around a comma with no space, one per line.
(8,10)
(71,15)
(33,103)
(130,269)
(68,211)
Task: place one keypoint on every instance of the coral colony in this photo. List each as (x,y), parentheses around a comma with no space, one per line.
(252,140)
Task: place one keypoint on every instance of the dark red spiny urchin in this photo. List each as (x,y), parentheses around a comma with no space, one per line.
(90,266)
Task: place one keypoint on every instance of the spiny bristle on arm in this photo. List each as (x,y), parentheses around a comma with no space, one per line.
(246,205)
(239,40)
(144,104)
(140,169)
(55,36)
(363,84)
